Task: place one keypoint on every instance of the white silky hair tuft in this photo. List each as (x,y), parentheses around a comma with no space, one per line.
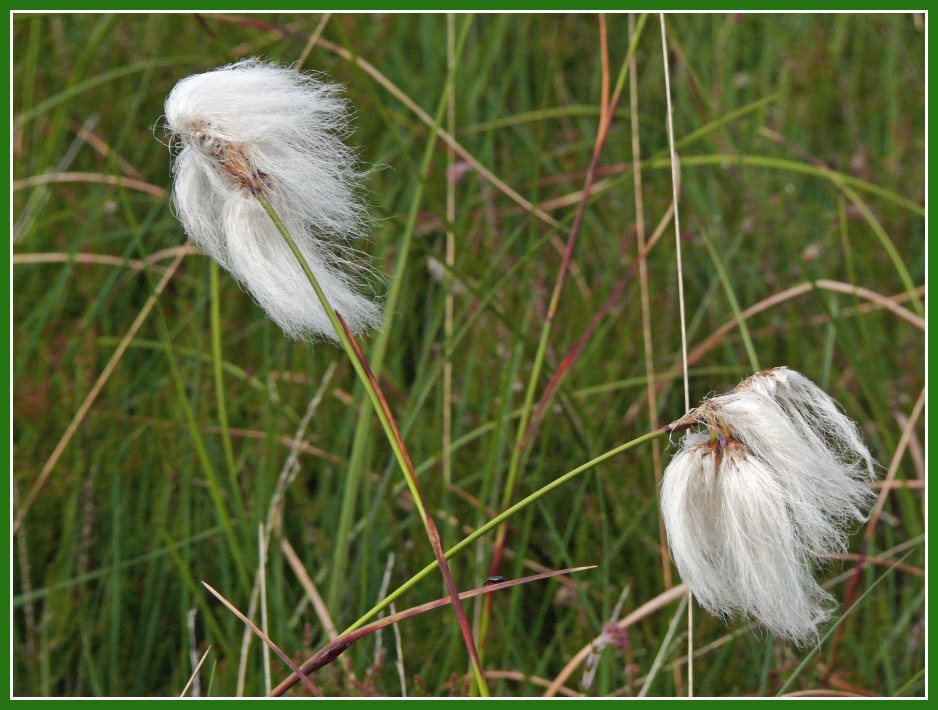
(769,489)
(254,127)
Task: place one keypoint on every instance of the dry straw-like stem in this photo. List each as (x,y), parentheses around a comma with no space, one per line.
(195,673)
(114,180)
(297,674)
(675,186)
(890,303)
(334,649)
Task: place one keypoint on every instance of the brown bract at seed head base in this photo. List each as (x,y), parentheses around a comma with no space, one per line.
(231,159)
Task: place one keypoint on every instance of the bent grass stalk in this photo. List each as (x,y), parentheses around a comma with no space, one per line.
(335,648)
(502,517)
(390,429)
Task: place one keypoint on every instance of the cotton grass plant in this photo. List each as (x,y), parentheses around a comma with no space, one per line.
(765,488)
(249,129)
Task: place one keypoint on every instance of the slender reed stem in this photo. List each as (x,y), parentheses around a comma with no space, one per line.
(724,277)
(647,340)
(643,284)
(675,186)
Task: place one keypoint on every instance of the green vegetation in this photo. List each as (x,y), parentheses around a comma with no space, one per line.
(802,161)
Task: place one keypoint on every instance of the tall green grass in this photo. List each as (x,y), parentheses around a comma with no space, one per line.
(802,158)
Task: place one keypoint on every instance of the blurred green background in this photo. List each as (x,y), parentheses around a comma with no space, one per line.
(802,158)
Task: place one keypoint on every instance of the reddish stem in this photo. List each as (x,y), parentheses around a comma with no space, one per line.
(432,532)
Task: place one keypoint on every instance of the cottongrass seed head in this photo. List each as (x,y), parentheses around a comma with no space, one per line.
(258,128)
(767,486)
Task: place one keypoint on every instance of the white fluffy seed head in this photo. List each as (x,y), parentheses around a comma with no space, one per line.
(256,127)
(767,489)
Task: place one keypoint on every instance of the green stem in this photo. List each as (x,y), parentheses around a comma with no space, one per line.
(217,364)
(794,166)
(888,246)
(502,517)
(390,429)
